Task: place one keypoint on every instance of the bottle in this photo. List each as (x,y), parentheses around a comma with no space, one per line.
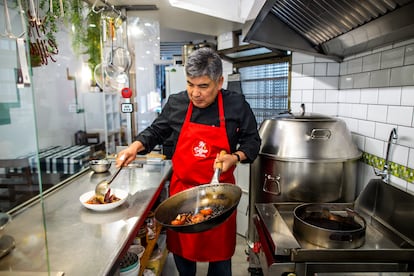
(151,226)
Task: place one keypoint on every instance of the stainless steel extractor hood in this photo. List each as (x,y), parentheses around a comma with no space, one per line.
(332,28)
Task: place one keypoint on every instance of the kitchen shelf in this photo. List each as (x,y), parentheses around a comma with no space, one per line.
(102,115)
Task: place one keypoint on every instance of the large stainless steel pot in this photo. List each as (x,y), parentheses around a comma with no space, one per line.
(306,157)
(223,198)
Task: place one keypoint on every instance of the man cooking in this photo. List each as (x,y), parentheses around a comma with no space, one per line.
(202,121)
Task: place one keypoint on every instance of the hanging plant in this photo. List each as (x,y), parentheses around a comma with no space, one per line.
(43,24)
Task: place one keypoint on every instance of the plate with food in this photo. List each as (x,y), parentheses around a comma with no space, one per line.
(116,198)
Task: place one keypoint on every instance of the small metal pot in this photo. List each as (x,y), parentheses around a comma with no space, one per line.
(100,166)
(329,225)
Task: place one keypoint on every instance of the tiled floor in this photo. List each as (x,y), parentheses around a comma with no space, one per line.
(239,261)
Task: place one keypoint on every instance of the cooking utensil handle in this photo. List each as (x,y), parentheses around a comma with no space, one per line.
(219,165)
(117,172)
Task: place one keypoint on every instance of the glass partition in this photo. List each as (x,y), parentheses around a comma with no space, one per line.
(44,137)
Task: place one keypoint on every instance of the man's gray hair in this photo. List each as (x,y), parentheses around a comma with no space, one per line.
(204,62)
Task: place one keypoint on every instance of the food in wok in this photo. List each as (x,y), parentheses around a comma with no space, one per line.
(187,206)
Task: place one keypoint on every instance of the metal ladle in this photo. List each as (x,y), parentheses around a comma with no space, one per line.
(102,188)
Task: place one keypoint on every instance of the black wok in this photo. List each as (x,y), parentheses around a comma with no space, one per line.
(223,198)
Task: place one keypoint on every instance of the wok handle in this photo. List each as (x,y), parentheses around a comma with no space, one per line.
(219,165)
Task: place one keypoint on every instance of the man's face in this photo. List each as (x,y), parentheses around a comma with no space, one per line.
(202,90)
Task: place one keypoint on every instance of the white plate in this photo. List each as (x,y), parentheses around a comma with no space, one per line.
(107,206)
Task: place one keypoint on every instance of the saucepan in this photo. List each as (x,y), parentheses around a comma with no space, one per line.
(221,198)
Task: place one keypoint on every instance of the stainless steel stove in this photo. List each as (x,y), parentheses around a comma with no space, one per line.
(388,244)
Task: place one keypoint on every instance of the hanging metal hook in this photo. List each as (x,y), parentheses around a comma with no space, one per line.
(7,22)
(34,12)
(97,11)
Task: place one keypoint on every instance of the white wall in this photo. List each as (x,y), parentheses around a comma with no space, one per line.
(372,92)
(55,95)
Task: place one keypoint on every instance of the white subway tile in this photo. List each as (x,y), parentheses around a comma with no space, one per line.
(406,136)
(407,95)
(326,82)
(380,78)
(296,95)
(355,66)
(369,96)
(320,69)
(366,128)
(307,95)
(346,82)
(297,70)
(359,111)
(359,140)
(389,96)
(396,78)
(362,80)
(353,96)
(302,58)
(377,113)
(409,54)
(302,83)
(392,58)
(327,109)
(343,68)
(333,69)
(411,158)
(344,110)
(371,62)
(332,96)
(319,96)
(398,154)
(407,75)
(351,123)
(308,69)
(382,131)
(342,95)
(400,115)
(374,146)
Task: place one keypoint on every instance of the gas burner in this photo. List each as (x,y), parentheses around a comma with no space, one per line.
(7,243)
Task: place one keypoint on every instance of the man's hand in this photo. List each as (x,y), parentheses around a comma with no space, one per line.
(129,154)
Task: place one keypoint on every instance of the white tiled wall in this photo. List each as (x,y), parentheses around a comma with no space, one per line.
(372,92)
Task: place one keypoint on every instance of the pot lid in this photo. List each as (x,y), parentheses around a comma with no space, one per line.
(307,137)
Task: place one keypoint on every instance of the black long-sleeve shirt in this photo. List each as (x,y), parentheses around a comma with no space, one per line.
(241,124)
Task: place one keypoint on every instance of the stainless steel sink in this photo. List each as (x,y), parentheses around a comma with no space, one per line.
(390,209)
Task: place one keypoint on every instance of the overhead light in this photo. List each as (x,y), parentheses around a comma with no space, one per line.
(231,10)
(248,53)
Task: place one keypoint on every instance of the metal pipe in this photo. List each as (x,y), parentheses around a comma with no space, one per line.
(393,136)
(385,171)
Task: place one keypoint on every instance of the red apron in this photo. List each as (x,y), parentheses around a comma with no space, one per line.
(193,160)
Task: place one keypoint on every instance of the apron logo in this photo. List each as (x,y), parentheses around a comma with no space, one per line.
(201,149)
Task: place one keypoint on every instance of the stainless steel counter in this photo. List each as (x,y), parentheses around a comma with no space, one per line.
(59,234)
